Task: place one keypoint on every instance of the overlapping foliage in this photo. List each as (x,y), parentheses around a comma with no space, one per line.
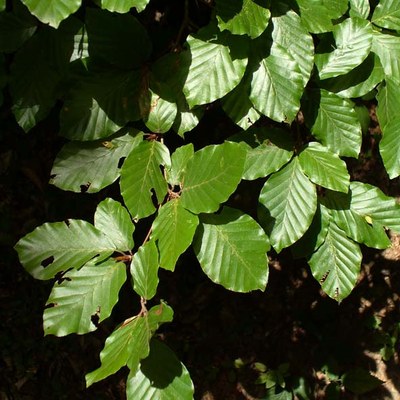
(290,74)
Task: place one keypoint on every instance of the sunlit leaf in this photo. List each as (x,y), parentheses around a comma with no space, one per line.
(232,250)
(123,6)
(388,101)
(389,147)
(387,14)
(179,160)
(387,47)
(359,8)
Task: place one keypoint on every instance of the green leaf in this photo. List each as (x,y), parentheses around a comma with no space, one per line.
(277,85)
(358,226)
(101,104)
(387,14)
(161,115)
(58,246)
(324,168)
(15,30)
(117,40)
(141,174)
(213,70)
(129,343)
(336,264)
(84,298)
(371,202)
(242,18)
(161,377)
(115,222)
(389,147)
(289,200)
(360,381)
(91,166)
(290,33)
(353,42)
(335,124)
(186,119)
(359,81)
(123,6)
(179,160)
(232,250)
(359,8)
(388,101)
(173,230)
(387,47)
(269,156)
(2,5)
(144,270)
(53,12)
(238,106)
(212,175)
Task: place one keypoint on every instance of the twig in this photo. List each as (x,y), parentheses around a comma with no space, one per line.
(243,391)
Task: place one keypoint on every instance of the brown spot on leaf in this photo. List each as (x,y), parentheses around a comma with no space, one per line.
(323,279)
(46,262)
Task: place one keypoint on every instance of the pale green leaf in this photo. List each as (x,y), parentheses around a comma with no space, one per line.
(289,201)
(186,119)
(212,175)
(371,202)
(387,47)
(359,8)
(213,70)
(359,81)
(387,14)
(336,264)
(335,124)
(100,105)
(389,147)
(173,230)
(129,343)
(115,222)
(144,270)
(58,246)
(81,46)
(123,6)
(353,39)
(290,33)
(115,39)
(141,174)
(232,250)
(91,166)
(161,115)
(358,226)
(15,30)
(52,12)
(324,168)
(388,101)
(238,106)
(246,17)
(277,85)
(84,298)
(179,160)
(161,377)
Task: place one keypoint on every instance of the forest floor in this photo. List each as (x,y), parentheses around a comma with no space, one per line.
(222,337)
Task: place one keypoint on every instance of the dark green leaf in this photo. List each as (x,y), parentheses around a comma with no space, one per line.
(212,175)
(173,230)
(91,166)
(360,381)
(141,174)
(389,147)
(232,250)
(84,298)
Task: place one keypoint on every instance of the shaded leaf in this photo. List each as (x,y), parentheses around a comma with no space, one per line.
(360,381)
(115,222)
(173,230)
(59,246)
(388,101)
(324,168)
(161,376)
(336,264)
(91,166)
(144,270)
(141,174)
(387,14)
(288,203)
(389,147)
(129,343)
(232,250)
(84,298)
(212,175)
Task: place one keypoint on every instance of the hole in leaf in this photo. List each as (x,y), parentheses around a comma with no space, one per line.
(46,262)
(50,305)
(67,222)
(84,188)
(95,318)
(121,162)
(52,176)
(60,276)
